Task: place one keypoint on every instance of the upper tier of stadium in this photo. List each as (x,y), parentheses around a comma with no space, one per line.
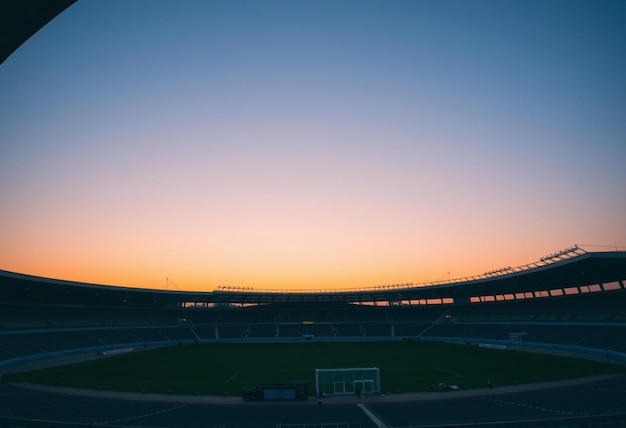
(571,271)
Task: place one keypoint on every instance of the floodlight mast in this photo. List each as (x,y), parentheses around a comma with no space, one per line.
(233,288)
(567,253)
(168,281)
(500,271)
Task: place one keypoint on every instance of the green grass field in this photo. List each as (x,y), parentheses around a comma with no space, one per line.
(231,368)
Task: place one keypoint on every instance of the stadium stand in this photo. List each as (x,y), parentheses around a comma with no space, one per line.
(577,309)
(573,305)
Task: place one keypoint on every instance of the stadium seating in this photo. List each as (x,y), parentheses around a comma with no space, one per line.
(42,316)
(594,320)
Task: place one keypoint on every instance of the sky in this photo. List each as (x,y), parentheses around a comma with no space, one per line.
(311,144)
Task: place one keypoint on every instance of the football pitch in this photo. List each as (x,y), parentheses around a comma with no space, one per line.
(231,368)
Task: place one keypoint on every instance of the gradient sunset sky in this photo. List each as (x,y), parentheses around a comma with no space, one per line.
(311,144)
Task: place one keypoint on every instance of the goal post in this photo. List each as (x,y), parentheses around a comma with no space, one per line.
(346,381)
(517,339)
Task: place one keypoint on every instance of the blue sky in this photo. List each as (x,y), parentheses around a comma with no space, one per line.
(311,144)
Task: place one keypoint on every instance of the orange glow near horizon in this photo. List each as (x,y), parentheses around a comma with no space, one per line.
(283,274)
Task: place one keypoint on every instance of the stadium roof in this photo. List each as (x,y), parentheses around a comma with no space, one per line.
(20,19)
(580,270)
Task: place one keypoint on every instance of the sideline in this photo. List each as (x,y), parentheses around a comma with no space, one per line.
(313,401)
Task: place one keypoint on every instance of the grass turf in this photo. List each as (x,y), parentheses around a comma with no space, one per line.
(231,368)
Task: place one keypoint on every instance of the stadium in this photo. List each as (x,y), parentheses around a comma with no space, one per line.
(568,303)
(537,345)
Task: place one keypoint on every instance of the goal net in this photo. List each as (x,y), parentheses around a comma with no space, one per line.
(347,381)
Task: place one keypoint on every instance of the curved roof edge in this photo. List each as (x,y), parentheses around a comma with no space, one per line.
(561,271)
(19,20)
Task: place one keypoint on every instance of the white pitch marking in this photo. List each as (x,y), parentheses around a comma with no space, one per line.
(231,378)
(377,421)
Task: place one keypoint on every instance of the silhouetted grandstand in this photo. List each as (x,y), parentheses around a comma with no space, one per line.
(577,300)
(574,303)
